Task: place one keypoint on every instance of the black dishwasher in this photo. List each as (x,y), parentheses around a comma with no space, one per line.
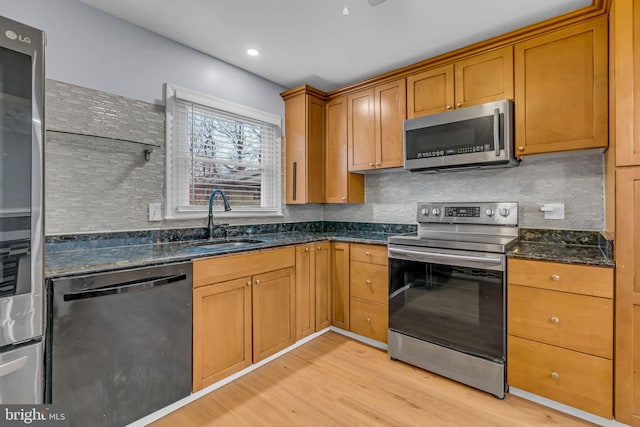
(119,344)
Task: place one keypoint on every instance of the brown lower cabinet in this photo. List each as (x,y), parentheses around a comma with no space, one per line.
(560,333)
(312,288)
(241,320)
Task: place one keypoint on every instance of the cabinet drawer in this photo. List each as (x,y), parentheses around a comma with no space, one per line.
(369,319)
(221,268)
(369,281)
(577,322)
(371,254)
(580,279)
(569,377)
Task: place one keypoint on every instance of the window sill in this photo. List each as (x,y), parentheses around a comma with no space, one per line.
(235,213)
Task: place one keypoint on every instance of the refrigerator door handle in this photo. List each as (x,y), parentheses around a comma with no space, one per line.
(125,287)
(13,366)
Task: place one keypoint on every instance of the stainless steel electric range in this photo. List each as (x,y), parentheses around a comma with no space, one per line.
(447,292)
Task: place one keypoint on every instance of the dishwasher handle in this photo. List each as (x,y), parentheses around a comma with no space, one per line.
(140,285)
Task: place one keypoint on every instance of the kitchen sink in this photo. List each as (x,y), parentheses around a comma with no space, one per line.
(216,244)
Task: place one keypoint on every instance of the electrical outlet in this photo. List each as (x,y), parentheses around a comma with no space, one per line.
(553,210)
(155,212)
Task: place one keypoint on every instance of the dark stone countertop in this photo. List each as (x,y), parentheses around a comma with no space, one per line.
(83,260)
(562,253)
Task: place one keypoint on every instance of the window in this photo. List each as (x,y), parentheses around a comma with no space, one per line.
(216,144)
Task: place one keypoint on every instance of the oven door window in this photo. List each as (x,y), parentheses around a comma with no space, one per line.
(457,307)
(15,172)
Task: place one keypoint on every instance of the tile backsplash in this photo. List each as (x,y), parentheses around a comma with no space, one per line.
(101,184)
(573,178)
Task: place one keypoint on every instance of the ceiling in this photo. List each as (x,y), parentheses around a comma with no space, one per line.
(311,41)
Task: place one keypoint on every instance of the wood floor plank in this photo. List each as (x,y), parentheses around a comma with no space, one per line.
(336,381)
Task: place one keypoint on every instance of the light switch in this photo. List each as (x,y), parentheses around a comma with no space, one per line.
(155,212)
(553,210)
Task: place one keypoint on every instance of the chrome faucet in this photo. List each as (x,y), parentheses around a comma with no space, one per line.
(226,209)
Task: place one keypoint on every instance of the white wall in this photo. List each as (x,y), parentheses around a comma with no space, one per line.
(90,48)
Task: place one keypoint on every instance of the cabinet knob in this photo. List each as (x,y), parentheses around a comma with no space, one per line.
(319,248)
(555,277)
(371,164)
(555,320)
(306,249)
(459,104)
(368,282)
(257,282)
(555,375)
(344,199)
(367,253)
(449,107)
(368,320)
(378,164)
(249,283)
(520,148)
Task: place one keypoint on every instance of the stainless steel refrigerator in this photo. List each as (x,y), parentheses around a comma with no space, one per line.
(21,213)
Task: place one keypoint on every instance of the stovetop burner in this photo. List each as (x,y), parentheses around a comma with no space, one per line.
(485,227)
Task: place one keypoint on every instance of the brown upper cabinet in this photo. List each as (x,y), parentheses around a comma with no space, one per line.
(561,82)
(374,119)
(304,145)
(340,186)
(475,80)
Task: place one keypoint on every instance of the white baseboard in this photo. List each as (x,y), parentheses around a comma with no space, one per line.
(195,396)
(565,408)
(360,338)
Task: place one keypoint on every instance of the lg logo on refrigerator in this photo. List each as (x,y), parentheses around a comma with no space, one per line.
(12,36)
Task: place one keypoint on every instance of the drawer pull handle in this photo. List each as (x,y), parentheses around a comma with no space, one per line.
(555,320)
(555,375)
(555,277)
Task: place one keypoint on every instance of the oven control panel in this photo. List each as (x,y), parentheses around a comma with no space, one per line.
(491,213)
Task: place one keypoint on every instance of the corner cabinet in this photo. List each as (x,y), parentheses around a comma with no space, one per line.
(475,80)
(560,333)
(243,311)
(561,89)
(375,126)
(304,145)
(340,186)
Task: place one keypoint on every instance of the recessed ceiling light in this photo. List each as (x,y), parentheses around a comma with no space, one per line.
(253,52)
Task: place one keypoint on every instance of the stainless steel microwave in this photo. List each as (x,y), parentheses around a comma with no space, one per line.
(478,136)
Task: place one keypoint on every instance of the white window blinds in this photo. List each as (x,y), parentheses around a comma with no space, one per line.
(216,149)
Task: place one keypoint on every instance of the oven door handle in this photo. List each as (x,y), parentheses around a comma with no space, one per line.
(434,255)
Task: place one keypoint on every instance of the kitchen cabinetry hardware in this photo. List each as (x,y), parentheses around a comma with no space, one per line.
(449,107)
(555,320)
(295,181)
(141,285)
(249,283)
(459,104)
(555,277)
(555,375)
(147,151)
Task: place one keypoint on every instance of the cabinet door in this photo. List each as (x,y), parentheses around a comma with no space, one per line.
(484,78)
(626,57)
(340,285)
(430,92)
(561,98)
(274,322)
(390,112)
(627,353)
(341,186)
(304,133)
(305,290)
(221,330)
(360,130)
(323,285)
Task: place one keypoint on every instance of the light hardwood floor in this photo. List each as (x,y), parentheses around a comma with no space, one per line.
(335,381)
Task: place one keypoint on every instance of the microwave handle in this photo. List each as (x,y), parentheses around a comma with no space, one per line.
(496,130)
